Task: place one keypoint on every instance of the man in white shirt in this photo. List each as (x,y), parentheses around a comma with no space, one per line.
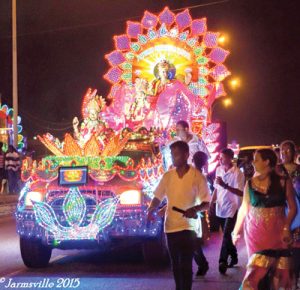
(183,134)
(229,184)
(195,143)
(186,188)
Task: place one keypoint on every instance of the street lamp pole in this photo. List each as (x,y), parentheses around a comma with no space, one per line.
(14,73)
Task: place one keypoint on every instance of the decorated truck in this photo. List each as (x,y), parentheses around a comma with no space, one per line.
(95,187)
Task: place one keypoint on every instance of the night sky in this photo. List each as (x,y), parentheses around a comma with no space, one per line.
(62,43)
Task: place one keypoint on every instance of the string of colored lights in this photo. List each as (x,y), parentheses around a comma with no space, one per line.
(100,169)
(74,209)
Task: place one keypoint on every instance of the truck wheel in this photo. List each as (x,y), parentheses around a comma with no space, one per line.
(34,253)
(155,251)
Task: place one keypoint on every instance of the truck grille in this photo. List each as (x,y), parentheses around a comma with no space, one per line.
(55,199)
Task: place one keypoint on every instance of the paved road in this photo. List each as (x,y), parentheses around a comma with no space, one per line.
(122,269)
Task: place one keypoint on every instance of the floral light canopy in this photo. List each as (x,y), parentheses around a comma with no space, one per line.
(185,44)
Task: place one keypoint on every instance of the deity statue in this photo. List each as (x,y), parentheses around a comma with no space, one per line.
(171,97)
(137,111)
(164,73)
(158,103)
(92,124)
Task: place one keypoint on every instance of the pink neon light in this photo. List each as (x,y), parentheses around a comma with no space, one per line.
(149,20)
(183,19)
(134,29)
(167,17)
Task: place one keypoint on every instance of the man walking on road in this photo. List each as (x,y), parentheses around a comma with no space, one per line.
(229,184)
(186,188)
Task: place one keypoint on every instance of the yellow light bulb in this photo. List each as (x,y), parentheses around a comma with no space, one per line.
(235,83)
(222,39)
(227,102)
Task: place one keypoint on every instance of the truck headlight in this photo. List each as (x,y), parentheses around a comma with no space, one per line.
(130,197)
(33,196)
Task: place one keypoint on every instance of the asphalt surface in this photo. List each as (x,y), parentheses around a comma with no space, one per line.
(120,269)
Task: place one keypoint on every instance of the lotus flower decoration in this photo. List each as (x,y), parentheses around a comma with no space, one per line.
(74,209)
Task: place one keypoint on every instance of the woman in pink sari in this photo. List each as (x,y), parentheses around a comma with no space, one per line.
(266,226)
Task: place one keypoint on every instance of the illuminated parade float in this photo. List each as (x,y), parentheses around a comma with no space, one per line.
(95,188)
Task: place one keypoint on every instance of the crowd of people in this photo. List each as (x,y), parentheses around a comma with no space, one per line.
(263,208)
(10,170)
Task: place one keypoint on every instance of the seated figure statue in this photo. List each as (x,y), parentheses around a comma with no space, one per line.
(91,125)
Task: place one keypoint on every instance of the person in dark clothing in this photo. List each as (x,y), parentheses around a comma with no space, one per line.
(289,169)
(200,161)
(247,167)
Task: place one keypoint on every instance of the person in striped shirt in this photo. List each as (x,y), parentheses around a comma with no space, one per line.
(13,168)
